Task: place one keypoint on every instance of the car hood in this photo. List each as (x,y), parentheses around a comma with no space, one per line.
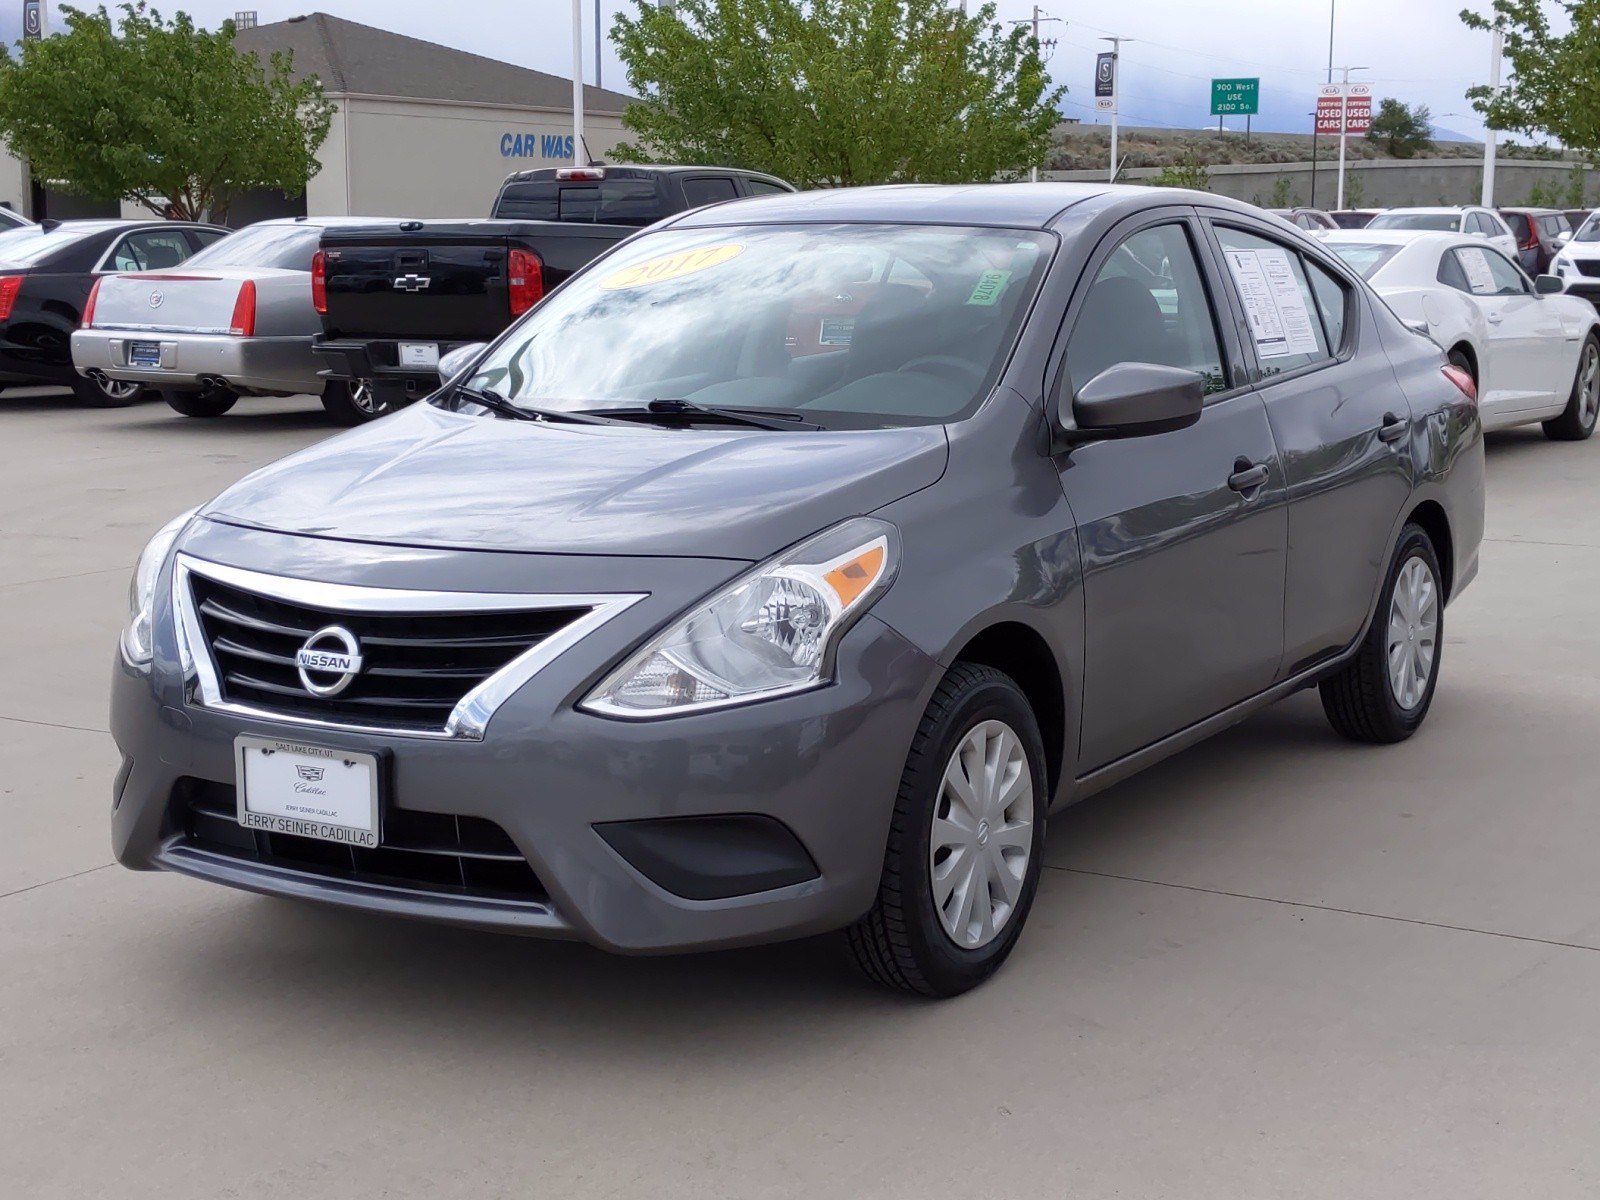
(426,477)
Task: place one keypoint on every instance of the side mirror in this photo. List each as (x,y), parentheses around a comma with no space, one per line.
(1480,233)
(1549,285)
(453,363)
(1133,399)
(1561,239)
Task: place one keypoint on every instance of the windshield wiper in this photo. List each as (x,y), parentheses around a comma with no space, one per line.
(753,417)
(500,406)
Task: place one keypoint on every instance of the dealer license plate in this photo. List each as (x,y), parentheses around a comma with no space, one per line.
(144,354)
(307,791)
(419,354)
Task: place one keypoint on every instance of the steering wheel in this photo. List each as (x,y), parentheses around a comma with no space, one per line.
(945,366)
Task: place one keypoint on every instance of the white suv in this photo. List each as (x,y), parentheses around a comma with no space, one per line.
(1471,220)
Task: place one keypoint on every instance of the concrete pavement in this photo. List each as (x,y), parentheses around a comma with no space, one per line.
(1276,966)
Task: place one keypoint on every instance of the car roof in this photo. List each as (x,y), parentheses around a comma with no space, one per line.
(1434,209)
(1394,237)
(995,205)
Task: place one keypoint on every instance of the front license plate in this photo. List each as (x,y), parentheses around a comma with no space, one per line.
(144,354)
(419,354)
(308,791)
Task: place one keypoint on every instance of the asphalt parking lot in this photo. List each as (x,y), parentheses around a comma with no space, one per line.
(1277,965)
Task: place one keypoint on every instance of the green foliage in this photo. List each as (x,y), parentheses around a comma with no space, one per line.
(1282,189)
(1402,130)
(1355,189)
(160,113)
(1188,172)
(1554,89)
(836,92)
(1544,195)
(1577,183)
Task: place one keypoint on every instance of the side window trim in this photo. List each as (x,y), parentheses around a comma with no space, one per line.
(1258,378)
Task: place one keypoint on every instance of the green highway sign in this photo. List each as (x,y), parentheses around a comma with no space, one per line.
(1240,97)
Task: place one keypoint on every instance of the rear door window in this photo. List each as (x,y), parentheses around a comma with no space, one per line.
(150,250)
(1519,226)
(1275,292)
(699,190)
(760,187)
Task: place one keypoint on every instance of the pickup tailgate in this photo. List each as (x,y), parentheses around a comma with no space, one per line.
(441,281)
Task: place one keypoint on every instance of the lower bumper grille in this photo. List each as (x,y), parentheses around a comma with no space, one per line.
(421,851)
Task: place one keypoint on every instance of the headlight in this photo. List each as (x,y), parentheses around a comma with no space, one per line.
(769,633)
(138,643)
(1563,265)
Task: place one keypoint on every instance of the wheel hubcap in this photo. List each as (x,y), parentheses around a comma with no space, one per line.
(982,835)
(1589,384)
(1413,632)
(365,397)
(117,389)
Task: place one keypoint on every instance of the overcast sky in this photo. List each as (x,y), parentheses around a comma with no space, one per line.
(1416,50)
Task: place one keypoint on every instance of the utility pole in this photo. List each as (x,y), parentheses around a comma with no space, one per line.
(1039,18)
(598,22)
(1313,159)
(577,83)
(1344,122)
(1490,136)
(1116,95)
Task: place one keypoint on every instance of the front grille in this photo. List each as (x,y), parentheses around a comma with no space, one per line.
(1589,266)
(419,851)
(416,666)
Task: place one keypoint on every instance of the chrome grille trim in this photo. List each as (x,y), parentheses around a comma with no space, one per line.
(469,719)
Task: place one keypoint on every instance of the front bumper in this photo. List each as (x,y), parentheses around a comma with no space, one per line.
(255,365)
(822,766)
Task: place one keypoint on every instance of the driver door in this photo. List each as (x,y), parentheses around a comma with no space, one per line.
(1526,340)
(1183,535)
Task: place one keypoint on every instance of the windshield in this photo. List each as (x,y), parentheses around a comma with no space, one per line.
(1439,222)
(1589,231)
(289,246)
(1365,258)
(853,326)
(30,244)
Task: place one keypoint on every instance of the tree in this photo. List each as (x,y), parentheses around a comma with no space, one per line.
(1554,88)
(1402,131)
(161,114)
(1187,172)
(836,92)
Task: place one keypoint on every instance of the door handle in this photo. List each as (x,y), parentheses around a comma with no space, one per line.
(1493,318)
(1393,428)
(1247,477)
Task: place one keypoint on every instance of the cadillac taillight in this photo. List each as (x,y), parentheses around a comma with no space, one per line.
(244,311)
(10,285)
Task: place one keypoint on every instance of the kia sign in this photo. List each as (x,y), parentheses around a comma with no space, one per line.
(1105,82)
(1356,107)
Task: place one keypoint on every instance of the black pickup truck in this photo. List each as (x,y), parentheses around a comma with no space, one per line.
(395,295)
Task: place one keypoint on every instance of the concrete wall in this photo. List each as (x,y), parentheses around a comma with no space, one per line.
(1378,184)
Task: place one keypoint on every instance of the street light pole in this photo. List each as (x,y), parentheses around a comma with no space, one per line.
(1344,124)
(1039,17)
(577,83)
(1490,136)
(1116,95)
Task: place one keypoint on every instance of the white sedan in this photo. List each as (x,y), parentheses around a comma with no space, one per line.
(1470,221)
(1532,351)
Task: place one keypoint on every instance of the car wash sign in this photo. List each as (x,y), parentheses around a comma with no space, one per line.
(532,144)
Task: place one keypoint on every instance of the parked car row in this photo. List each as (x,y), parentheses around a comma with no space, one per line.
(1531,236)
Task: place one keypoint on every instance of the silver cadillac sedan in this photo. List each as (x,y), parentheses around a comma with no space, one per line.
(783,571)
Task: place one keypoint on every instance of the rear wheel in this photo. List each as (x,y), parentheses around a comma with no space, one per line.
(357,401)
(965,845)
(1383,693)
(100,392)
(1577,422)
(212,402)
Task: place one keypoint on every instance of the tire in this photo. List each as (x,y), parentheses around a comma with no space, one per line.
(212,402)
(357,401)
(1458,358)
(905,942)
(1577,422)
(106,393)
(1366,701)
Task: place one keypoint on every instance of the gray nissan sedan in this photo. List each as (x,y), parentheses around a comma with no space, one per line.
(783,569)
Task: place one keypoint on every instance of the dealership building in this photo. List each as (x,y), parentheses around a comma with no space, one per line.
(419,129)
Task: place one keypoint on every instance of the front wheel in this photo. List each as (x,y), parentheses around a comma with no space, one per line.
(966,842)
(357,401)
(212,402)
(1383,694)
(1577,420)
(101,392)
